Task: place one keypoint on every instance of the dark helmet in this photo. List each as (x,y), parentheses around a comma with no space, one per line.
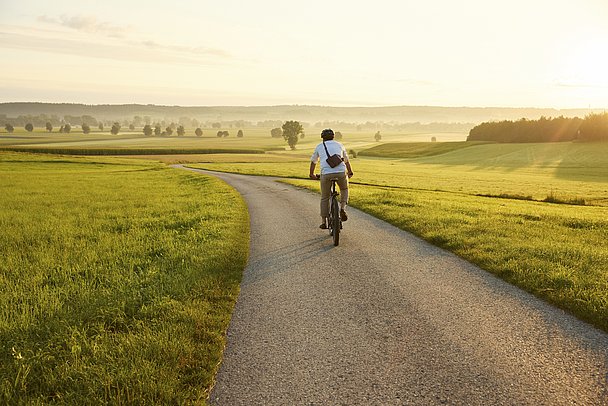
(327,134)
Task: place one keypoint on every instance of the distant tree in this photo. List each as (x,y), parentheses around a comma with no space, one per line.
(338,135)
(100,126)
(216,125)
(168,131)
(239,134)
(67,128)
(302,135)
(181,131)
(29,127)
(291,132)
(225,133)
(352,153)
(433,139)
(594,128)
(276,133)
(173,126)
(49,126)
(137,121)
(132,127)
(148,130)
(198,132)
(157,130)
(220,134)
(9,127)
(85,128)
(115,128)
(61,129)
(377,136)
(87,119)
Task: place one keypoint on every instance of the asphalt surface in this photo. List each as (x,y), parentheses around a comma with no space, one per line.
(388,319)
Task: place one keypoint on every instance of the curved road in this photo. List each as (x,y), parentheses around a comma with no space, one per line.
(388,319)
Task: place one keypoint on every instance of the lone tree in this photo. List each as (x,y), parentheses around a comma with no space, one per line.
(148,130)
(29,127)
(9,128)
(377,137)
(67,128)
(276,133)
(226,133)
(220,134)
(85,128)
(291,132)
(157,130)
(49,126)
(198,132)
(168,131)
(338,135)
(181,131)
(100,126)
(240,134)
(115,128)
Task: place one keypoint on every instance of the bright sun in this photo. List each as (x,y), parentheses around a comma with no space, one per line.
(587,64)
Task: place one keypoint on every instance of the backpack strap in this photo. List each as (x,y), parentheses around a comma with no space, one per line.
(325,146)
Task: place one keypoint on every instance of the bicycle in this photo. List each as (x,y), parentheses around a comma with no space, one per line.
(335,222)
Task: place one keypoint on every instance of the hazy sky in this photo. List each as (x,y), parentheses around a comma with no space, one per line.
(541,53)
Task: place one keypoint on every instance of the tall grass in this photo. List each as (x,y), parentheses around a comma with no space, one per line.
(118,278)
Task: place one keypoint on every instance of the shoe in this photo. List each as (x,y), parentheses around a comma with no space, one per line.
(343,215)
(323,226)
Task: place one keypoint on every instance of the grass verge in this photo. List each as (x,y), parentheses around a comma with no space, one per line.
(118,280)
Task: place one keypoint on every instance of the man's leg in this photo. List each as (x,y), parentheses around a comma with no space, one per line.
(325,192)
(343,185)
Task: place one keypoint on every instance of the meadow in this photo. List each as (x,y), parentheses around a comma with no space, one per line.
(118,279)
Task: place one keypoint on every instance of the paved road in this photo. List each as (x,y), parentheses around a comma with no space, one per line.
(388,319)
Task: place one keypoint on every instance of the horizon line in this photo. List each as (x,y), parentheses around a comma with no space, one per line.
(307,105)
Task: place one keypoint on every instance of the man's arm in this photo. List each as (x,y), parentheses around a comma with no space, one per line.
(349,170)
(312,175)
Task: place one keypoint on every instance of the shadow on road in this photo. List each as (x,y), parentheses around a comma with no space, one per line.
(284,259)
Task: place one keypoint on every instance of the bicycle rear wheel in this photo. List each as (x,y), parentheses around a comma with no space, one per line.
(335,220)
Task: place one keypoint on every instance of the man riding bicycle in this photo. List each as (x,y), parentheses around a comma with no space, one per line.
(339,173)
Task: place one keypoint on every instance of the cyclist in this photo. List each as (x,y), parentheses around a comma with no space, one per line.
(340,172)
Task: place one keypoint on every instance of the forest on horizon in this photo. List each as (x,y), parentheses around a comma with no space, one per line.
(305,113)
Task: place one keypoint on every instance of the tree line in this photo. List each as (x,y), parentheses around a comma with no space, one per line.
(594,127)
(139,121)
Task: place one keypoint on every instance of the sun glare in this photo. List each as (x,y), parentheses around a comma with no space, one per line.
(587,64)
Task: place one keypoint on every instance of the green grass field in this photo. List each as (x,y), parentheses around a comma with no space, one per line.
(485,203)
(118,279)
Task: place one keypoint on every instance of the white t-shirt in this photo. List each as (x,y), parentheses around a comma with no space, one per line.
(333,147)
